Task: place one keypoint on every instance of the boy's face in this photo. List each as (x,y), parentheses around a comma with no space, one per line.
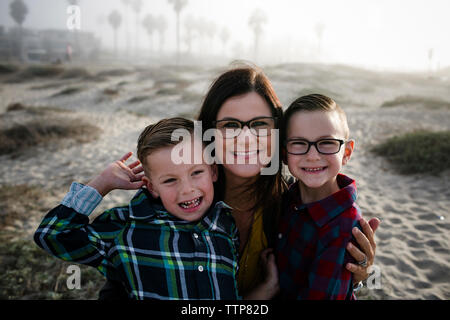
(313,168)
(186,190)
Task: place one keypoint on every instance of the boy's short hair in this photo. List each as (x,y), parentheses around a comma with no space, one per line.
(159,135)
(314,102)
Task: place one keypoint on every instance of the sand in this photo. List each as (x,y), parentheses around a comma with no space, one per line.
(413,240)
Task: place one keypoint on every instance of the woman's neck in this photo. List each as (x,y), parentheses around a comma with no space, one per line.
(237,193)
(309,195)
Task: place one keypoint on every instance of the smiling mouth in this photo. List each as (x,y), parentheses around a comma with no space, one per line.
(314,170)
(245,154)
(191,204)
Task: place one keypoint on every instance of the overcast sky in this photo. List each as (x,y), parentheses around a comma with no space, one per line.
(386,34)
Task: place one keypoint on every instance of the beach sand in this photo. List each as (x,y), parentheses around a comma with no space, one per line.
(413,240)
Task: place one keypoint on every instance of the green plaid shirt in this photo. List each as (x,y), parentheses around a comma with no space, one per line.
(152,253)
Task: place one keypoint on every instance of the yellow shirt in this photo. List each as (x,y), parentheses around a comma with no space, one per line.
(251,272)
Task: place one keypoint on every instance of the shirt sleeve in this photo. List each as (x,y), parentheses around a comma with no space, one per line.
(66,233)
(328,278)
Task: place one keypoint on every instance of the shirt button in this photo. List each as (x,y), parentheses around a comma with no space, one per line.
(195,236)
(280,236)
(200,268)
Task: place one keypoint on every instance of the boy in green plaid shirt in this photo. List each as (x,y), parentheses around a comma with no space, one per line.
(171,242)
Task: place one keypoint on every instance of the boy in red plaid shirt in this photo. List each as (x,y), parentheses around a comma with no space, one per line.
(320,210)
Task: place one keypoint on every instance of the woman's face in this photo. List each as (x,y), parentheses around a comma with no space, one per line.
(244,155)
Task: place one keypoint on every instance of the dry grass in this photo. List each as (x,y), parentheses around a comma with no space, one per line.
(417,152)
(68,91)
(22,136)
(414,101)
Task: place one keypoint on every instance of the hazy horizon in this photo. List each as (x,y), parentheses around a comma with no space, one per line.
(387,35)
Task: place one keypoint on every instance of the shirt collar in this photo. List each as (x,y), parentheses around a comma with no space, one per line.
(143,207)
(325,210)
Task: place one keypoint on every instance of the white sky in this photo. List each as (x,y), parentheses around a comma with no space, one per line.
(388,34)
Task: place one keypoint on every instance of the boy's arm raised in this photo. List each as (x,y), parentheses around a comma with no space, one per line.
(118,175)
(65,231)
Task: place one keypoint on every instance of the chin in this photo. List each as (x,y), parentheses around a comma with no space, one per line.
(245,170)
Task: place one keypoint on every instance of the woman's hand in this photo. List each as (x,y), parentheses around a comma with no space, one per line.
(368,246)
(118,175)
(270,286)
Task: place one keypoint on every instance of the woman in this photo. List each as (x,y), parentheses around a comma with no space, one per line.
(239,103)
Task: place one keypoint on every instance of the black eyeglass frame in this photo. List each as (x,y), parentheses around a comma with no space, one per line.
(246,123)
(314,143)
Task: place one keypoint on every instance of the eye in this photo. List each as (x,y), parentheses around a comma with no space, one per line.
(230,125)
(170,180)
(298,143)
(197,172)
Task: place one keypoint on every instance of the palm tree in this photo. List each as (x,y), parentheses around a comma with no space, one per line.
(18,11)
(149,24)
(256,22)
(115,20)
(319,29)
(161,27)
(136,5)
(189,34)
(211,29)
(178,5)
(127,4)
(430,59)
(224,36)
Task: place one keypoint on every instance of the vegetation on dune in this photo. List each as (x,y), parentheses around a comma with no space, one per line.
(427,102)
(28,272)
(417,152)
(22,136)
(68,91)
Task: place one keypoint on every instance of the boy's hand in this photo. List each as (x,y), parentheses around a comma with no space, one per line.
(118,175)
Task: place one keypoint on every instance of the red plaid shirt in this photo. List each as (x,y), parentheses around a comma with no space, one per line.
(310,248)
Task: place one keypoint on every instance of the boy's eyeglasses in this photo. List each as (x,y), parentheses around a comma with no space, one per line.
(323,146)
(260,126)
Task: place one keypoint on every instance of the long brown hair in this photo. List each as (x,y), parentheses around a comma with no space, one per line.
(267,189)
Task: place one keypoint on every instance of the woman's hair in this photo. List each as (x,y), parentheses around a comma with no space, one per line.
(159,135)
(267,189)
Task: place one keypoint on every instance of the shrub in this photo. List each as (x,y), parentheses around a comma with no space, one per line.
(417,152)
(35,132)
(427,102)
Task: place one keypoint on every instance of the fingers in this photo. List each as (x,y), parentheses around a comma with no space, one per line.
(364,244)
(126,156)
(359,273)
(368,232)
(355,252)
(134,164)
(374,223)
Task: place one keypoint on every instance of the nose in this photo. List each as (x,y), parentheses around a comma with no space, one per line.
(187,187)
(313,154)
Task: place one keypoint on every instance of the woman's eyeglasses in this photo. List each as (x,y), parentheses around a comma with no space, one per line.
(260,127)
(323,146)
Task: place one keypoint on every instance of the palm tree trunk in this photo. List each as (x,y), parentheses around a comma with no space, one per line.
(178,37)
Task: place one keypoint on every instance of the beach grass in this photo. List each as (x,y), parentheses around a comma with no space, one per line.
(68,91)
(412,100)
(35,132)
(28,272)
(417,152)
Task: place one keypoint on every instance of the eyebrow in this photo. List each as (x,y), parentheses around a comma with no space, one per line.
(231,118)
(321,137)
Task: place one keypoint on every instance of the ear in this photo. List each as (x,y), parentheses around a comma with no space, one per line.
(149,186)
(348,151)
(215,172)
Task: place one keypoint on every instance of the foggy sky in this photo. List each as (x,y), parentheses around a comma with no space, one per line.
(375,34)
